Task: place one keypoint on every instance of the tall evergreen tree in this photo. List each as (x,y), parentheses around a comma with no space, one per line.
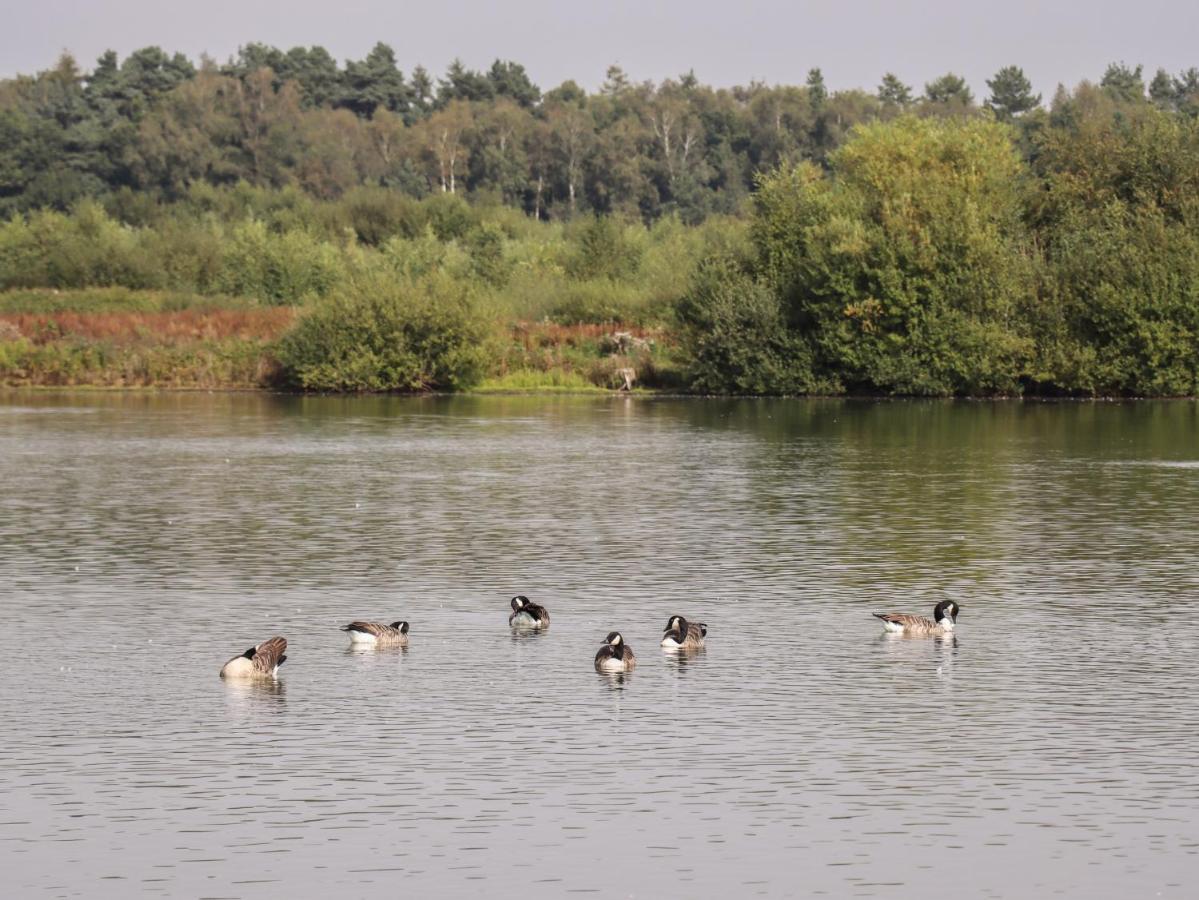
(422,93)
(1124,83)
(1011,93)
(816,89)
(461,83)
(374,82)
(316,72)
(894,92)
(949,89)
(509,79)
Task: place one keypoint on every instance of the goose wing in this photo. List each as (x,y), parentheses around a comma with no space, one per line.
(371,628)
(906,620)
(270,654)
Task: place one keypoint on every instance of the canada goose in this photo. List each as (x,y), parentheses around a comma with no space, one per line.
(526,614)
(261,661)
(394,635)
(945,616)
(615,655)
(681,634)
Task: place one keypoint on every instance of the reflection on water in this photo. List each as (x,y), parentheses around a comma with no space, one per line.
(252,694)
(615,680)
(1046,748)
(679,658)
(363,649)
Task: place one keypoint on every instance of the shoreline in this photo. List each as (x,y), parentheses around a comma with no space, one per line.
(596,392)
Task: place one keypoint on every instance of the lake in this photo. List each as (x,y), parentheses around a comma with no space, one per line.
(1049,748)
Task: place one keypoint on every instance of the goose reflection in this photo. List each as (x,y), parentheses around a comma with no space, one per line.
(920,650)
(376,650)
(941,641)
(615,681)
(255,696)
(520,635)
(680,658)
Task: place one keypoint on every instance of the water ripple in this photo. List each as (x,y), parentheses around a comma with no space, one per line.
(1044,749)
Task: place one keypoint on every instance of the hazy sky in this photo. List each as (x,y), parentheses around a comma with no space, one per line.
(853,41)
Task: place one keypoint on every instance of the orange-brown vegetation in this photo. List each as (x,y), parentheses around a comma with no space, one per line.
(161,328)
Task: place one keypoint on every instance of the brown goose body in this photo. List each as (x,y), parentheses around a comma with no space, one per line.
(615,655)
(683,635)
(393,635)
(526,614)
(943,621)
(260,661)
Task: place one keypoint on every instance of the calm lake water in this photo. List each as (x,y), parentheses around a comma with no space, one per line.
(1049,749)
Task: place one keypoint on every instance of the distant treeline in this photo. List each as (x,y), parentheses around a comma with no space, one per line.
(154,124)
(758,240)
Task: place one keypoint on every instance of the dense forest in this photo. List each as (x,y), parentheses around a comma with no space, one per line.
(406,232)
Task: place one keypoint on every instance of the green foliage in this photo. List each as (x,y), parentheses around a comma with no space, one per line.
(210,364)
(893,92)
(1124,84)
(1011,93)
(906,270)
(376,214)
(737,338)
(488,262)
(81,250)
(381,334)
(605,250)
(374,83)
(278,268)
(553,380)
(949,90)
(950,254)
(43,301)
(1120,229)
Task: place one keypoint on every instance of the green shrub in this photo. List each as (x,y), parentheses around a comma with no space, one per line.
(1119,223)
(424,255)
(736,338)
(603,249)
(277,268)
(596,302)
(377,214)
(486,248)
(448,215)
(83,249)
(379,333)
(908,270)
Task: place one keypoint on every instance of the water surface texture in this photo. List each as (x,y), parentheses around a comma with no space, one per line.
(1049,749)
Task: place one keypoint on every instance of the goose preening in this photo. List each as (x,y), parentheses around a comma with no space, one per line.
(945,617)
(526,614)
(260,661)
(376,634)
(615,655)
(683,635)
